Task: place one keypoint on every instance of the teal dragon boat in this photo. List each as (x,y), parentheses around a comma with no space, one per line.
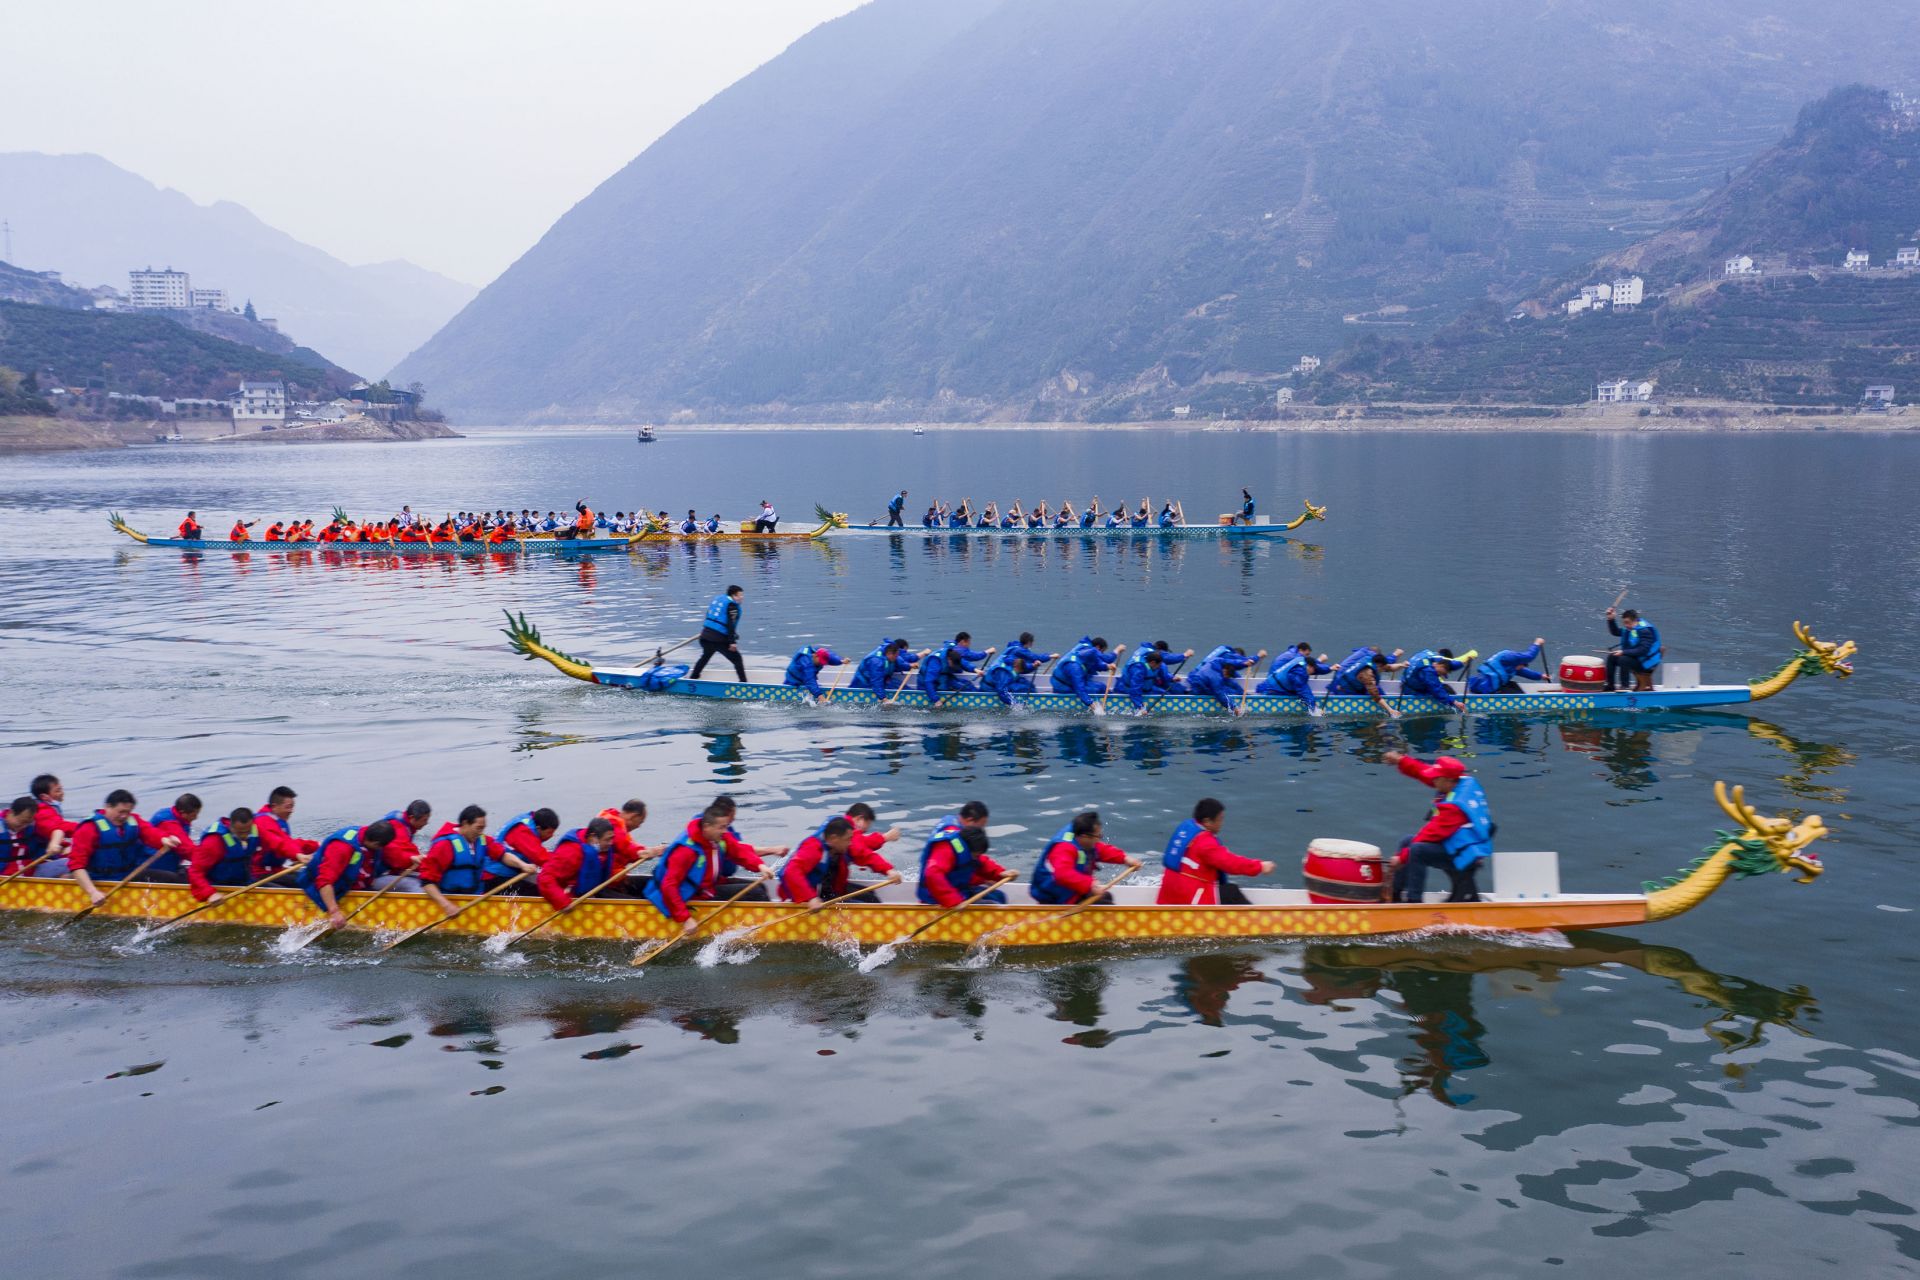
(1815,657)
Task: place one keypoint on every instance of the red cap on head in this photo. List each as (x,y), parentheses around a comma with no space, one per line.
(1450,767)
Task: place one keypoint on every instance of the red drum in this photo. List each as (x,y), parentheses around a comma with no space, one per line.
(1580,672)
(1338,871)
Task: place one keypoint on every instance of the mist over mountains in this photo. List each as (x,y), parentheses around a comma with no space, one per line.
(1085,208)
(93,222)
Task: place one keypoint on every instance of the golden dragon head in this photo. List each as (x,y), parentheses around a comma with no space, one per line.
(1834,659)
(1781,844)
(830,519)
(1315,513)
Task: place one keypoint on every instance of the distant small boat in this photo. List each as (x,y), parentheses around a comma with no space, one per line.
(919,431)
(646,435)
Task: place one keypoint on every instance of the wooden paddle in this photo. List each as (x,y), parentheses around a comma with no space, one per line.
(892,879)
(1093,899)
(371,899)
(225,898)
(30,866)
(593,892)
(656,952)
(906,678)
(502,887)
(1001,883)
(130,877)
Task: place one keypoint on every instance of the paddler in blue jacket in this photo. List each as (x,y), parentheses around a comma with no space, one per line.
(803,672)
(1361,672)
(1012,669)
(1218,676)
(1151,670)
(1497,674)
(947,669)
(1637,654)
(1425,676)
(1075,673)
(1457,836)
(1292,675)
(877,671)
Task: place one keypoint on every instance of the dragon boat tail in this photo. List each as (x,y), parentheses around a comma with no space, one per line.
(1816,656)
(1756,845)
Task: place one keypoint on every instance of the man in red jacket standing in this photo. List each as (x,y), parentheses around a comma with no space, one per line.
(1197,864)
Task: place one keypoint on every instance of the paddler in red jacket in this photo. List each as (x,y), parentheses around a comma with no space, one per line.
(583,860)
(190,530)
(1196,865)
(527,835)
(278,846)
(1064,875)
(821,866)
(397,860)
(734,853)
(276,532)
(51,832)
(691,867)
(239,531)
(109,845)
(464,859)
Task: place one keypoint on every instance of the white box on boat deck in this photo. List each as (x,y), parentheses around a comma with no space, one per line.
(1526,875)
(1679,675)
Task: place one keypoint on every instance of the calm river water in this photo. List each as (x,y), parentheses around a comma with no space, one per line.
(1733,1093)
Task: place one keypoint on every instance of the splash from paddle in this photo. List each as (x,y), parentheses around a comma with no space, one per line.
(654,953)
(409,936)
(886,951)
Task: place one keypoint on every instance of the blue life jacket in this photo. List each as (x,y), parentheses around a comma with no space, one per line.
(1045,886)
(830,873)
(1246,509)
(1501,669)
(933,672)
(116,850)
(309,874)
(1347,671)
(1138,522)
(1633,635)
(802,671)
(470,866)
(897,503)
(518,821)
(1116,520)
(596,865)
(235,866)
(1086,518)
(171,861)
(689,526)
(1175,857)
(712,525)
(1475,840)
(961,877)
(11,847)
(658,679)
(32,844)
(1166,519)
(716,620)
(691,886)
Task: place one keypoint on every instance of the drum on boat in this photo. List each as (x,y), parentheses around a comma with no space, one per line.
(1577,671)
(1339,871)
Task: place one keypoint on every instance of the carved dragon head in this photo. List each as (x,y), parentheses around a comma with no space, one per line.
(1834,659)
(1771,844)
(830,519)
(1316,513)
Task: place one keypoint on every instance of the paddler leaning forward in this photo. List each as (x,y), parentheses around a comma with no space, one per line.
(1197,864)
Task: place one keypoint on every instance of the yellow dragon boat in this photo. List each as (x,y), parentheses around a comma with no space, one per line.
(1758,845)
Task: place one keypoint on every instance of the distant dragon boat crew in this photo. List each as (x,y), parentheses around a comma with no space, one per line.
(896,508)
(1013,517)
(276,532)
(52,833)
(239,531)
(768,520)
(464,859)
(1144,516)
(1246,507)
(406,517)
(712,524)
(1360,672)
(1117,518)
(947,669)
(398,860)
(1012,670)
(1637,654)
(803,671)
(1149,672)
(341,865)
(1092,514)
(113,843)
(691,524)
(278,845)
(954,864)
(1425,676)
(224,857)
(720,632)
(551,524)
(1172,515)
(1498,673)
(1075,673)
(190,530)
(1065,518)
(177,820)
(1218,676)
(1064,874)
(989,517)
(1292,676)
(931,520)
(962,516)
(821,866)
(877,671)
(1457,836)
(1196,865)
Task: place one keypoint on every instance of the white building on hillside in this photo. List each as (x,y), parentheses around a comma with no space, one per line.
(260,405)
(1907,257)
(1182,410)
(152,290)
(1307,364)
(1742,266)
(1858,260)
(1623,391)
(213,298)
(1577,305)
(1629,292)
(1597,295)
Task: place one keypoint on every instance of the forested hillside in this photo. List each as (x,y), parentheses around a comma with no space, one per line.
(1100,208)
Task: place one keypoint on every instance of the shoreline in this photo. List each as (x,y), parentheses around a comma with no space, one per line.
(70,435)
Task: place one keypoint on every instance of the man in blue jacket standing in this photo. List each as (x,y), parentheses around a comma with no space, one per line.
(720,632)
(896,509)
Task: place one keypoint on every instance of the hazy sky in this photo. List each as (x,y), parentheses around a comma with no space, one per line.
(484,120)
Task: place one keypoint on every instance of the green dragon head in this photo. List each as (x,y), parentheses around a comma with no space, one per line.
(1770,844)
(1824,655)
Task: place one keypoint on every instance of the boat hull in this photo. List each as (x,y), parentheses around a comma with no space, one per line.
(530,546)
(1178,532)
(1260,706)
(869,925)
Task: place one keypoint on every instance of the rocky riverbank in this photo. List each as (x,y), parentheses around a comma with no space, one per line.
(356,428)
(50,435)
